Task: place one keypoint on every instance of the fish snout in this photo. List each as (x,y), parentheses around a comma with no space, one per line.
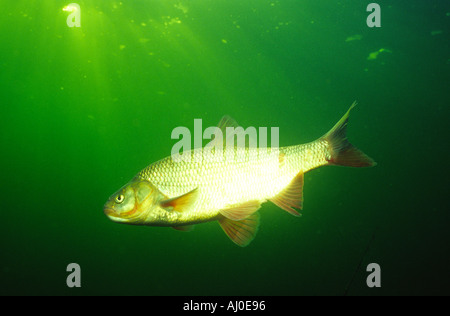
(113,215)
(109,211)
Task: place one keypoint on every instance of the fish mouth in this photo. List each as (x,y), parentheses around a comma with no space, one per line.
(109,212)
(112,215)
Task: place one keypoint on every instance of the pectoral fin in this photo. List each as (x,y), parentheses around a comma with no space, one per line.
(241,211)
(181,203)
(291,196)
(241,232)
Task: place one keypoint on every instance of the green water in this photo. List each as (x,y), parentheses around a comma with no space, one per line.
(84,109)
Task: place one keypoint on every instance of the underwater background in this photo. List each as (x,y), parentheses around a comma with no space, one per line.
(83,109)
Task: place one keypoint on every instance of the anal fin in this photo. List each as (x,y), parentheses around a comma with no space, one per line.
(241,232)
(291,197)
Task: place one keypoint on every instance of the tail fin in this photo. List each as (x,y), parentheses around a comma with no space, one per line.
(342,152)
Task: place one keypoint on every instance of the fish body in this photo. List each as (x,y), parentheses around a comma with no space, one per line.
(229,187)
(252,175)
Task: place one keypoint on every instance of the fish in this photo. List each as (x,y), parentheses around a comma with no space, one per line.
(183,193)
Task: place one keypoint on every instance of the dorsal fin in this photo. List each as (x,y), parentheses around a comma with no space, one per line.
(241,232)
(291,196)
(227,121)
(218,143)
(181,203)
(235,130)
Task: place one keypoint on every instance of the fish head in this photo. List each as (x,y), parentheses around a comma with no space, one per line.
(134,203)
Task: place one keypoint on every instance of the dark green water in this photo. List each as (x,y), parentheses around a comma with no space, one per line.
(84,109)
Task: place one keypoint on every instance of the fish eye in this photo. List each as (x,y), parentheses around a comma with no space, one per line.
(120,198)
